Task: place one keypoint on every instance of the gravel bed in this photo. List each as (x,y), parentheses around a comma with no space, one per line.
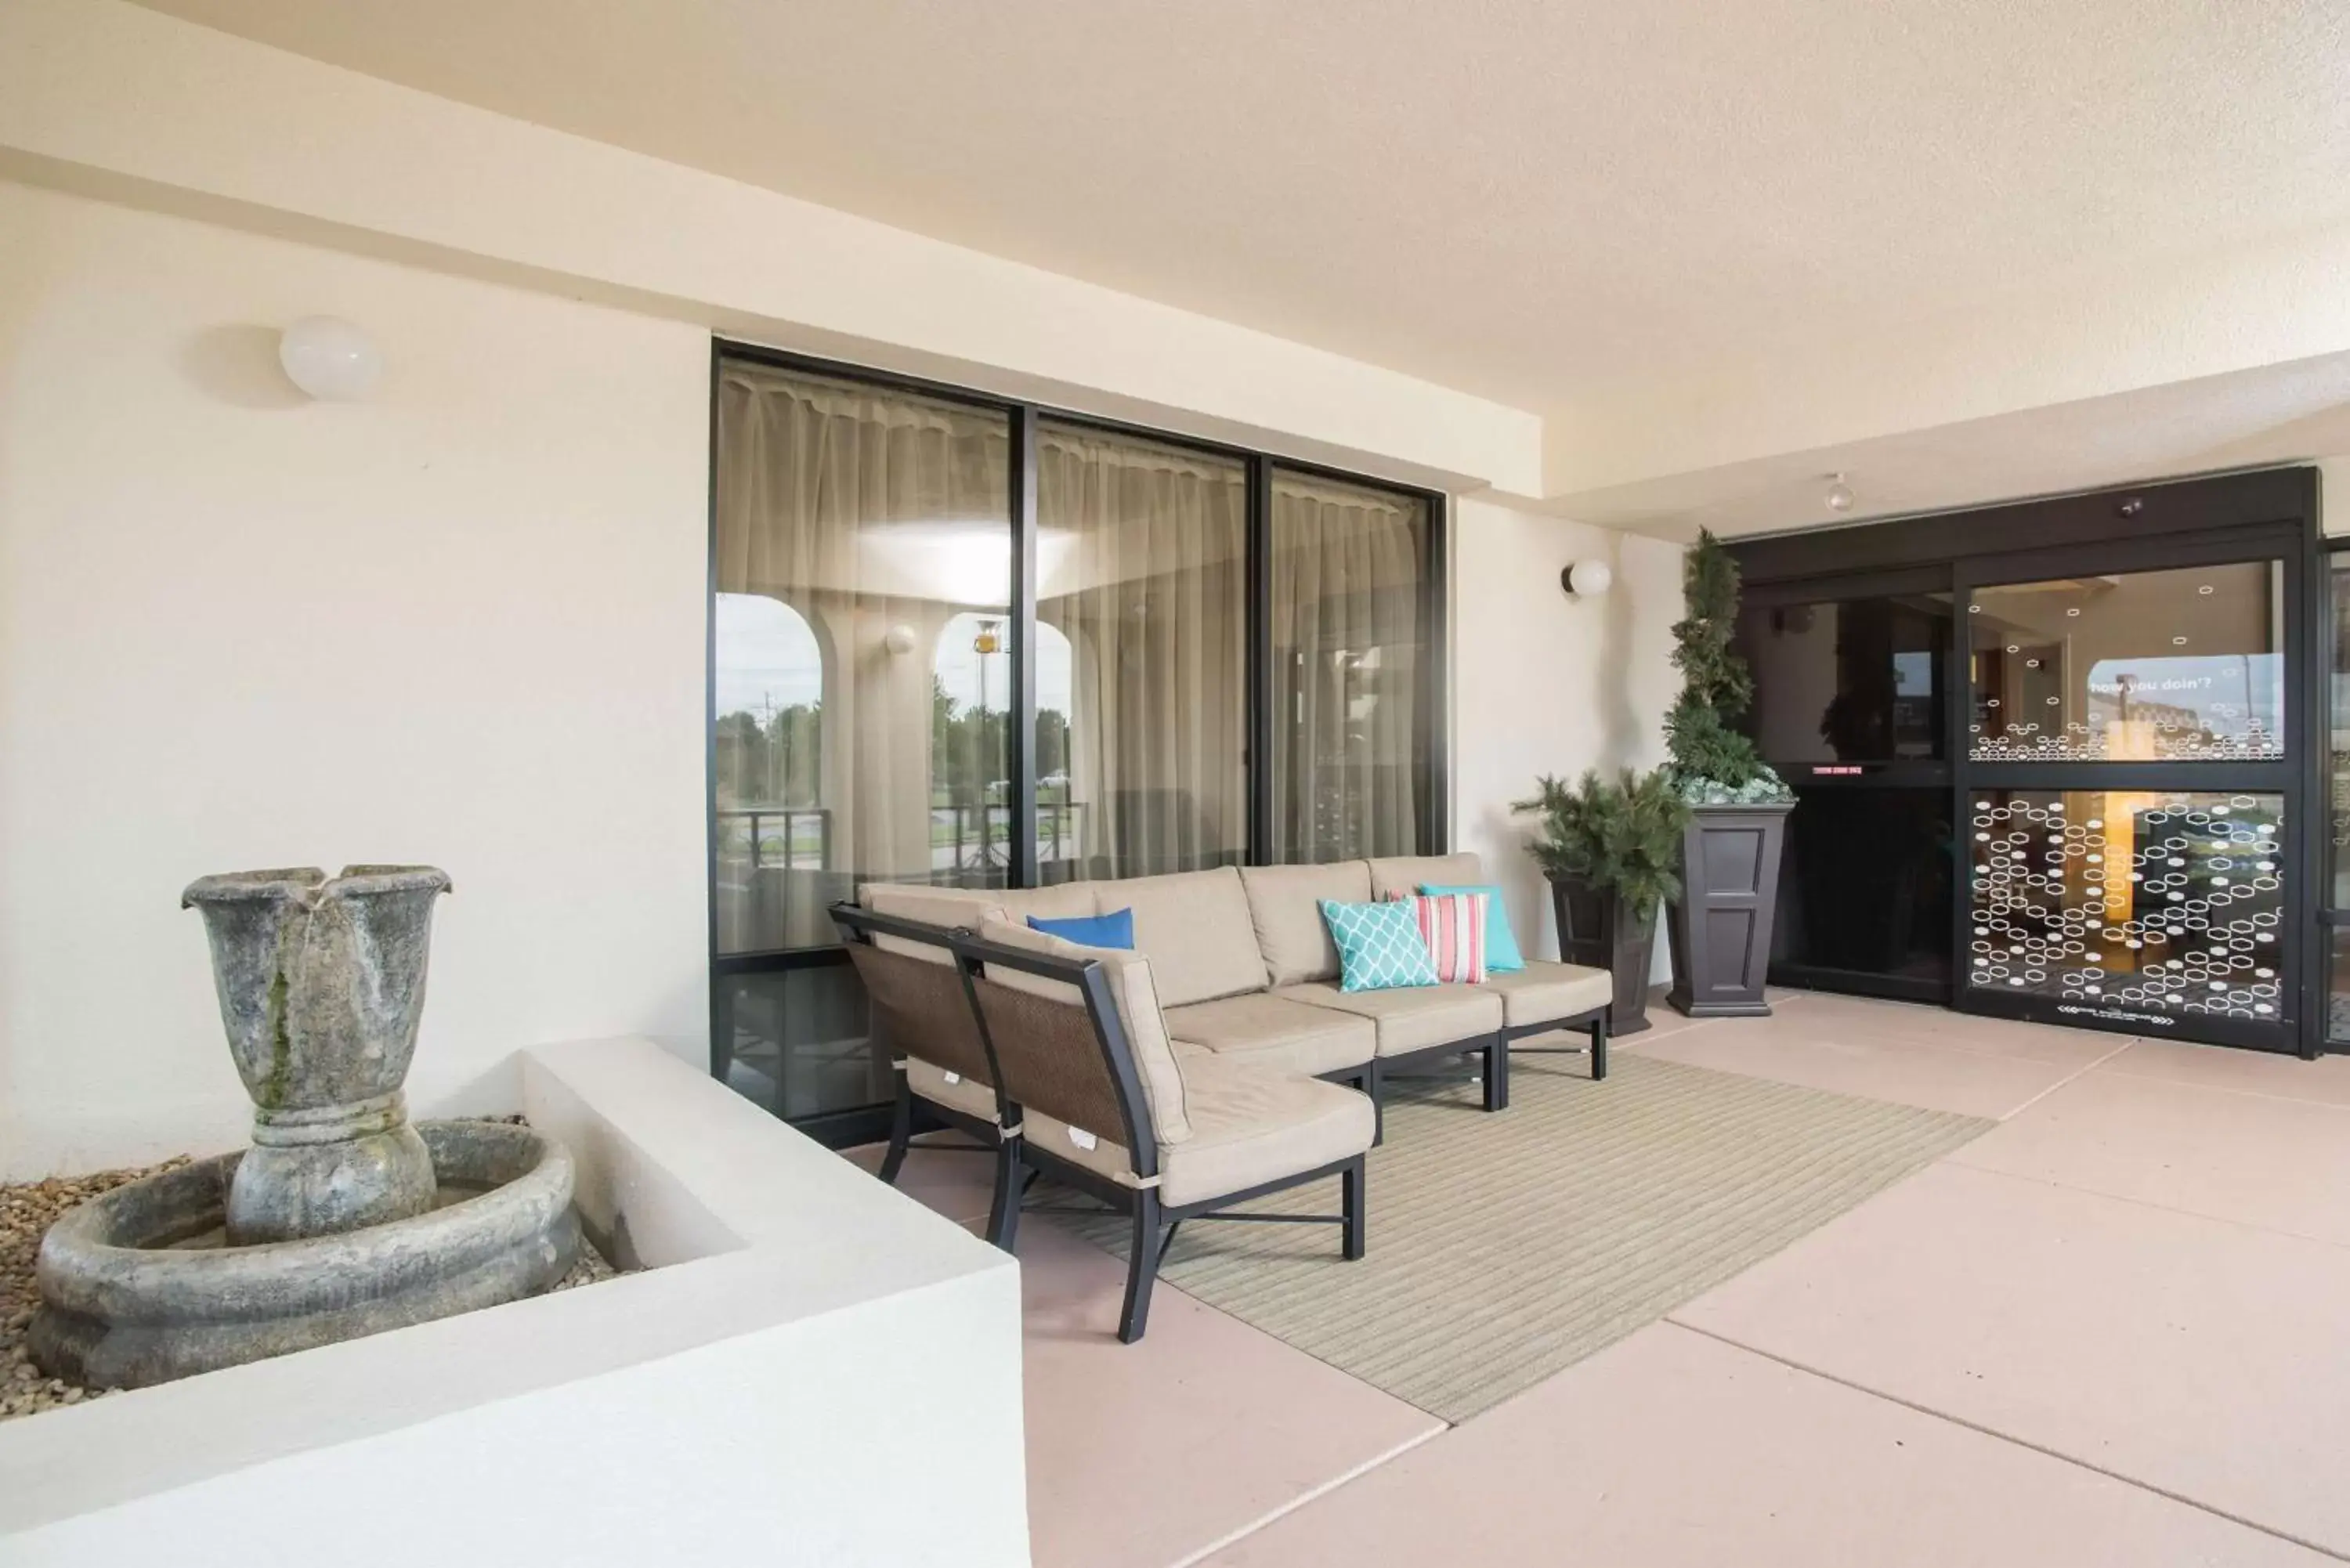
(28,1209)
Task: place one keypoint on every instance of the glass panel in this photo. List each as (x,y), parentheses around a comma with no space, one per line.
(2172,666)
(1350,762)
(1865,883)
(1142,656)
(799,1041)
(1849,680)
(864,573)
(2127,904)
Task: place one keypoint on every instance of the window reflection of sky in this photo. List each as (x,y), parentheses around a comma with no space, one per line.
(768,659)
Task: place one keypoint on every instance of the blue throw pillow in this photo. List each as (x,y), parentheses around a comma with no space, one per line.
(1502,954)
(1379,946)
(1115,930)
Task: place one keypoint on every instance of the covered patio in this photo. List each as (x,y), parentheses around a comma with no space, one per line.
(2033,1349)
(1335,781)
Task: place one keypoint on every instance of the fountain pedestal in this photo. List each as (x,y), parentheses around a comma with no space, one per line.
(321,986)
(336,1221)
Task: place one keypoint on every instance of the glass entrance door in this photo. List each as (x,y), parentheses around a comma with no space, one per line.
(1852,707)
(2127,799)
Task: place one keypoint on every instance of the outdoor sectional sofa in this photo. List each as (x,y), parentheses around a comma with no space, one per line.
(1199,1048)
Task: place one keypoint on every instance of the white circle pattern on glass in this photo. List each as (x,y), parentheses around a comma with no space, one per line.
(2201,937)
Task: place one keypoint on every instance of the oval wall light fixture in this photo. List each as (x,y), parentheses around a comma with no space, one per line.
(330,359)
(1839,496)
(1587,579)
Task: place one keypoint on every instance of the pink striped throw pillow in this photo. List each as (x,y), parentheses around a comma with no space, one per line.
(1453,925)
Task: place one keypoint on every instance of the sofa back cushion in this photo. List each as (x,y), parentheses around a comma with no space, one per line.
(1401,876)
(1061,901)
(1285,910)
(1195,928)
(949,907)
(1134,991)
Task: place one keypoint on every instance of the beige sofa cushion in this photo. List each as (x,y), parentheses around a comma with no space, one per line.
(935,1084)
(1195,928)
(1406,873)
(1249,1126)
(1061,901)
(1544,992)
(1133,990)
(1410,1018)
(968,908)
(948,907)
(1285,907)
(1267,1032)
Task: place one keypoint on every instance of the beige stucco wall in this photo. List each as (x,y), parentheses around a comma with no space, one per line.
(103,95)
(1543,683)
(461,623)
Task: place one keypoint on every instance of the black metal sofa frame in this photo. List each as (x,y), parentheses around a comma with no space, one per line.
(915,1001)
(1077,1074)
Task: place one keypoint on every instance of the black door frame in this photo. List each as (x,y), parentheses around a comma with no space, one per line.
(2329,916)
(2267,514)
(1432,729)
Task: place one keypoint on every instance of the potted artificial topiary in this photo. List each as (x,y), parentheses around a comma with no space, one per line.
(1720,934)
(1612,849)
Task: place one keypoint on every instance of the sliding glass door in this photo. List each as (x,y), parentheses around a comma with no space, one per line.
(861,579)
(2067,759)
(1141,656)
(1350,738)
(1853,682)
(2130,794)
(974,643)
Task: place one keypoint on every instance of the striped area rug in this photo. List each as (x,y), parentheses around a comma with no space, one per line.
(1503,1248)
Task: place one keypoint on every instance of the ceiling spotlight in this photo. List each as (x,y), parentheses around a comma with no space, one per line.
(1839,496)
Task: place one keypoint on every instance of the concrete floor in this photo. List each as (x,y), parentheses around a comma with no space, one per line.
(2114,1330)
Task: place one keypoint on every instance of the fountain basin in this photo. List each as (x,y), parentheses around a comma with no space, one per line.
(131,1296)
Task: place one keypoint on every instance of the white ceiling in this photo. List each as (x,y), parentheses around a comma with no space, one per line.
(2251,419)
(1544,202)
(1519,198)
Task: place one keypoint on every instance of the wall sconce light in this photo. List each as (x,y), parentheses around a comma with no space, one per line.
(330,359)
(1839,496)
(899,640)
(1587,579)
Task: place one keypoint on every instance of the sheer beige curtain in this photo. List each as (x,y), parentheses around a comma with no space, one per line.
(1348,635)
(879,516)
(1141,566)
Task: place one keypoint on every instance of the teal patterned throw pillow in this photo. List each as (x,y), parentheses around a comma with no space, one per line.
(1379,946)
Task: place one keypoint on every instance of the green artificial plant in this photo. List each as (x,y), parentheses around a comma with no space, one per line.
(1623,833)
(1713,763)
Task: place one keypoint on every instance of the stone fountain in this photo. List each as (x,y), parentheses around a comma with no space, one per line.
(343,1218)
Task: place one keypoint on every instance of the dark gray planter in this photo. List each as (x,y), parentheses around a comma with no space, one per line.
(1721,932)
(1599,931)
